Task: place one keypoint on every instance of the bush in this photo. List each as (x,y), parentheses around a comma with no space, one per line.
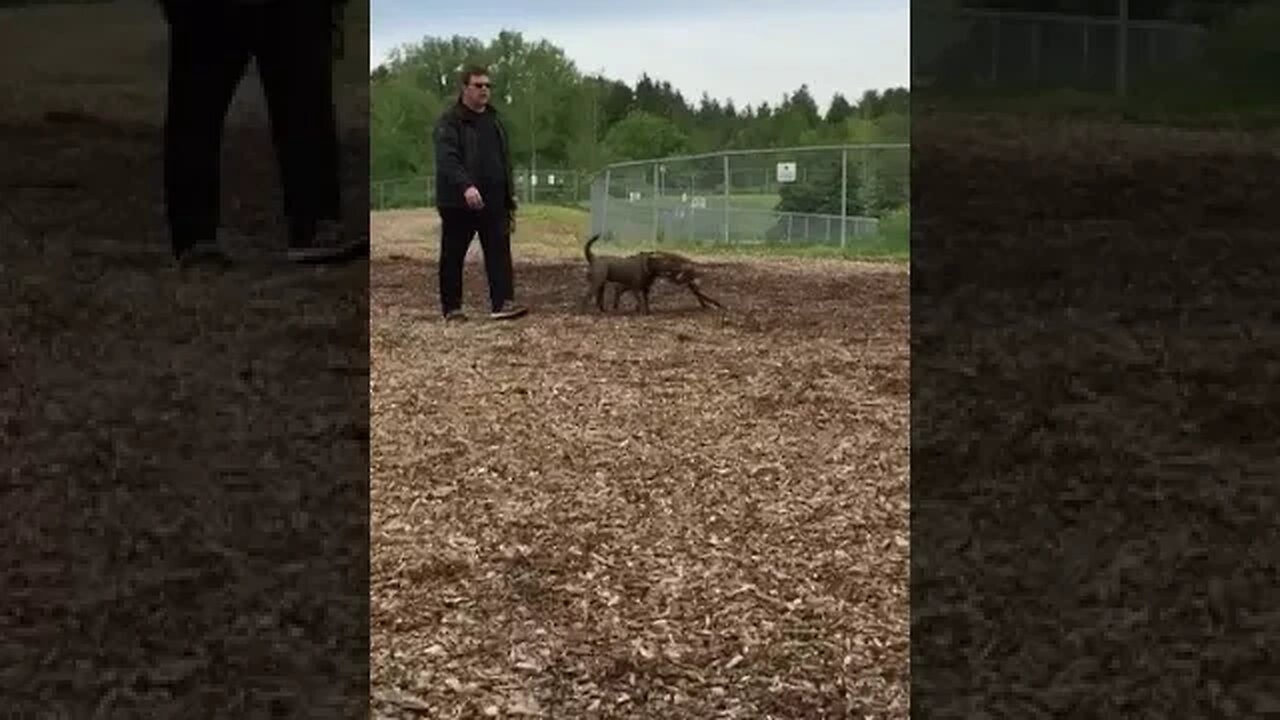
(1243,53)
(882,191)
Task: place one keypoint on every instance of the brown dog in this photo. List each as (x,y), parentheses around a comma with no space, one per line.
(676,269)
(634,274)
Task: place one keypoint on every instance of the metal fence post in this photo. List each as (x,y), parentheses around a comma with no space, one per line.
(844,197)
(1037,36)
(604,206)
(725,209)
(655,203)
(1084,56)
(1122,49)
(995,49)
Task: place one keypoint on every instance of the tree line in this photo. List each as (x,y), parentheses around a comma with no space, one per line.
(560,117)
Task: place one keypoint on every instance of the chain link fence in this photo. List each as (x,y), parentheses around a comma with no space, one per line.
(1007,48)
(825,195)
(547,187)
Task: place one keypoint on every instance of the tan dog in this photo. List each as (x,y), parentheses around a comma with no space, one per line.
(633,274)
(676,269)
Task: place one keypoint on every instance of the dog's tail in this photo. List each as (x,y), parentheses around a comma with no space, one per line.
(586,249)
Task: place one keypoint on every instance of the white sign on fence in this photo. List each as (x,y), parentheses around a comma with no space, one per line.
(533,179)
(633,196)
(786,172)
(551,179)
(698,202)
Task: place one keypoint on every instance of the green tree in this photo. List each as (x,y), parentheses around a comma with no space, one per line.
(402,114)
(642,135)
(839,111)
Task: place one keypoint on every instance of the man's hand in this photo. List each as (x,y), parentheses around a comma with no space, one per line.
(472,196)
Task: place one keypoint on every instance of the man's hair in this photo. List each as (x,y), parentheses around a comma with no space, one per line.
(471,71)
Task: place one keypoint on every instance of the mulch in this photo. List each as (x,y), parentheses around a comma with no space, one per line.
(1095,366)
(690,514)
(184,527)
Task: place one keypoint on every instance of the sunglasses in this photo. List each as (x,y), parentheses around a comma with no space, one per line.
(482,86)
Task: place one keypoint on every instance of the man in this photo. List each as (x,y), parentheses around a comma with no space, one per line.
(475,194)
(210,43)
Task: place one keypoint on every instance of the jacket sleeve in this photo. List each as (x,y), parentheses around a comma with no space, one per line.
(449,154)
(512,203)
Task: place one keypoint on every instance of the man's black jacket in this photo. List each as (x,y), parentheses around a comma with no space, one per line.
(456,143)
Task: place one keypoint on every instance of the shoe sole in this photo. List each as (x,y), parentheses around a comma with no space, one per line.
(329,256)
(508,315)
(206,261)
(205,267)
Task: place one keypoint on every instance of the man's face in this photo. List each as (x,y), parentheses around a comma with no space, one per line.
(476,91)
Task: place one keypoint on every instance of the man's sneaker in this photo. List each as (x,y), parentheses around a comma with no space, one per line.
(204,255)
(508,311)
(325,246)
(455,316)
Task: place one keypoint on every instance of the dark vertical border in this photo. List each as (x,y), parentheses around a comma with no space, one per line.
(184,502)
(1094,367)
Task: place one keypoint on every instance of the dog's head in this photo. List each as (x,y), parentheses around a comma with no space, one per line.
(673,267)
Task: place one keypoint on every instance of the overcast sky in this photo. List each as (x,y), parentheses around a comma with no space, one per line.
(747,50)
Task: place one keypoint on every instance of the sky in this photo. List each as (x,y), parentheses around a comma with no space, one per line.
(745,50)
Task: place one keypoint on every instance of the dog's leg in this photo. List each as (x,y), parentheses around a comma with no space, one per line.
(643,300)
(595,286)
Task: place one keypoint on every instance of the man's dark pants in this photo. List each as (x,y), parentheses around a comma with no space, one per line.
(457,228)
(210,46)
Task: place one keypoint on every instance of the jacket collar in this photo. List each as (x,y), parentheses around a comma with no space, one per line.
(467,113)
